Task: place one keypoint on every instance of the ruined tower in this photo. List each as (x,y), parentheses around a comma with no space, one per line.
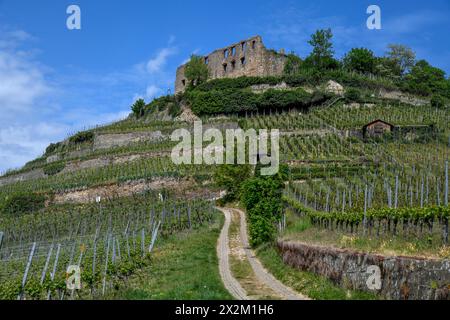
(244,58)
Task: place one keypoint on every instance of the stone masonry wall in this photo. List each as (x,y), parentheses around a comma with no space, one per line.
(402,278)
(245,58)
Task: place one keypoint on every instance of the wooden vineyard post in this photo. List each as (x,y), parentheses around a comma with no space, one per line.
(1,239)
(27,269)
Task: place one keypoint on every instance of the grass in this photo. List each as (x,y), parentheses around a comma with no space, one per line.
(314,286)
(184,267)
(300,229)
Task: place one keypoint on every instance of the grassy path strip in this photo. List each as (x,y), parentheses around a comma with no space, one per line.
(240,265)
(184,266)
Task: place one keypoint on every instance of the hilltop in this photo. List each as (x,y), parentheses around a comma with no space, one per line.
(343,167)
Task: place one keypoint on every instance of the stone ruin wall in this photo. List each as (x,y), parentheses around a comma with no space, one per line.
(244,58)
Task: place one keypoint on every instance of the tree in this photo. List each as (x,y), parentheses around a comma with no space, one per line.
(361,60)
(403,56)
(196,71)
(230,177)
(386,67)
(138,108)
(322,53)
(426,79)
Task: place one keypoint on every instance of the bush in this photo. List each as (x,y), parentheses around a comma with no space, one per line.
(52,147)
(241,100)
(163,103)
(82,137)
(54,168)
(174,109)
(261,196)
(138,108)
(237,83)
(352,95)
(437,101)
(20,203)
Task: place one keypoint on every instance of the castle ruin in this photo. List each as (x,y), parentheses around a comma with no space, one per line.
(244,58)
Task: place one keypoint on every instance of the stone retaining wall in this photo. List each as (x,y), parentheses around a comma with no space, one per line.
(402,278)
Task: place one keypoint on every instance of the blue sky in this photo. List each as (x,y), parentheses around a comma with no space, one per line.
(55,81)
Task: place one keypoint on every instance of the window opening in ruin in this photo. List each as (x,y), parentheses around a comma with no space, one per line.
(244,46)
(253,44)
(225,53)
(183,82)
(233,51)
(243,61)
(206,60)
(225,67)
(233,64)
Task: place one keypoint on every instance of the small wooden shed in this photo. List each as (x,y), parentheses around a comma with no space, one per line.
(377,128)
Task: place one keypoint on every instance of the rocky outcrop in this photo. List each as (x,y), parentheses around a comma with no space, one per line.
(32,174)
(403,97)
(402,278)
(107,141)
(334,87)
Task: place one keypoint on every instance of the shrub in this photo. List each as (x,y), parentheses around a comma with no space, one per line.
(237,83)
(54,168)
(352,94)
(20,203)
(241,100)
(138,108)
(52,147)
(162,103)
(174,109)
(437,101)
(261,196)
(82,137)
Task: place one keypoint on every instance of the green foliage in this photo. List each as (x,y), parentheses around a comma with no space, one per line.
(360,60)
(261,196)
(196,71)
(53,168)
(424,79)
(138,108)
(21,202)
(293,64)
(237,83)
(82,137)
(321,56)
(52,147)
(230,177)
(240,100)
(352,95)
(437,101)
(402,57)
(171,103)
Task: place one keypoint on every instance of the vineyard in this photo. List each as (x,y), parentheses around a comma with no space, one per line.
(108,240)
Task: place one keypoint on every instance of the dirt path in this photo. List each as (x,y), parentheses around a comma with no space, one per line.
(223,251)
(264,280)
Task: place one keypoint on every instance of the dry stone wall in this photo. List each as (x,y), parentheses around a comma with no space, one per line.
(402,278)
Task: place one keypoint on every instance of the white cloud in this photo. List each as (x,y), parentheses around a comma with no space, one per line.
(158,62)
(38,107)
(152,91)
